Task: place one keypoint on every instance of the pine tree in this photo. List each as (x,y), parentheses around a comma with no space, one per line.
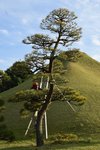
(44,58)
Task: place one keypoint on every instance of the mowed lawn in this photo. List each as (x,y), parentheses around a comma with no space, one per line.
(29,145)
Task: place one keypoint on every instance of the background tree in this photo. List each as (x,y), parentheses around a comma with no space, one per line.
(14,75)
(19,72)
(5,81)
(61,23)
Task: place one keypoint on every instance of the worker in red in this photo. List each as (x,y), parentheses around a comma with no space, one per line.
(35,86)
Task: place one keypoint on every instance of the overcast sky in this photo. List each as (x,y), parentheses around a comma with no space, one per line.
(21,18)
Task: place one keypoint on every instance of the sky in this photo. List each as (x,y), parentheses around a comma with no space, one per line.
(22,18)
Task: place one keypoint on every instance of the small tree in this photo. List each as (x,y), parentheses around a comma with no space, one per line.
(61,23)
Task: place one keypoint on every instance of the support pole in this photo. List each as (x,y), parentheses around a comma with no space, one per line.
(41,83)
(45,114)
(47,85)
(46,128)
(28,126)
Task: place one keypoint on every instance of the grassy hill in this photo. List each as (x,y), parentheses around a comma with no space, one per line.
(83,75)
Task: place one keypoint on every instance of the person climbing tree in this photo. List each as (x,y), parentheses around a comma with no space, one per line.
(35,86)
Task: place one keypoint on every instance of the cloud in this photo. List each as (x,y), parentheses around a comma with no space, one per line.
(96,40)
(4,31)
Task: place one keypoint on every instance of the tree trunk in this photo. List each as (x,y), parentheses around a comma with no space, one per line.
(39,131)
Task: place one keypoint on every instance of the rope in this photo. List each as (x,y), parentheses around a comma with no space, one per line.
(65,99)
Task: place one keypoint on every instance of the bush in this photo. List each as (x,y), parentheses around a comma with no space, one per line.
(69,138)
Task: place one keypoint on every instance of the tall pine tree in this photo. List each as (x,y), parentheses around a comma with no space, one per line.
(46,49)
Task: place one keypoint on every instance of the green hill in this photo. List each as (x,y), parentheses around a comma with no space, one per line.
(83,75)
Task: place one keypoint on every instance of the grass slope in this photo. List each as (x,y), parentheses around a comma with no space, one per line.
(12,115)
(83,75)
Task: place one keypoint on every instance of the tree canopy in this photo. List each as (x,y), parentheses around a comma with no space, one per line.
(61,24)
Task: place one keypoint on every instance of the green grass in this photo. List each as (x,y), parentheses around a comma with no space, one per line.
(21,145)
(25,85)
(84,76)
(12,115)
(28,145)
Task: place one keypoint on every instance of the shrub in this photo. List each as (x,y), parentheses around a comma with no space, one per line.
(61,138)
